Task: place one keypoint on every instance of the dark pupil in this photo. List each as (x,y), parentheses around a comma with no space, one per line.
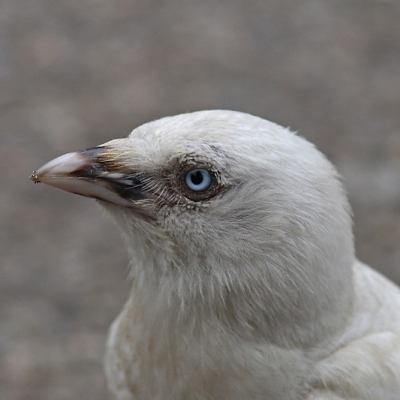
(197,178)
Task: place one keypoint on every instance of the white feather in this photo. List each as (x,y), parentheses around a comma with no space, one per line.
(254,293)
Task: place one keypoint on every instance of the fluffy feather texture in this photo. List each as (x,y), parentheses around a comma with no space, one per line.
(250,290)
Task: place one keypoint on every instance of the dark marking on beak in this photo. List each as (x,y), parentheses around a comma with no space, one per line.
(87,173)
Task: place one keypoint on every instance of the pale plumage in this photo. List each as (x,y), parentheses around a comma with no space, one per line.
(244,279)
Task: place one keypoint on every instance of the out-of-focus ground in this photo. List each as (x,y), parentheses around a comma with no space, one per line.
(76,73)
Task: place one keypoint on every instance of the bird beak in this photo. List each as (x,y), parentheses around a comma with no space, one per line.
(92,173)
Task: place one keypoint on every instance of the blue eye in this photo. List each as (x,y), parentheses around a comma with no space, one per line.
(198,180)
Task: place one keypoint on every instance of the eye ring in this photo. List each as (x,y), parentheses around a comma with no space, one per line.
(198,180)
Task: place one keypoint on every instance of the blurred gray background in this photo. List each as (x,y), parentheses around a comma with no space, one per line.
(76,73)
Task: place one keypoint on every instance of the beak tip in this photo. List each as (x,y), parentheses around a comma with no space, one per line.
(34,177)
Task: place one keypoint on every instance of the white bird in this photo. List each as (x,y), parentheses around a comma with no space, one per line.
(244,280)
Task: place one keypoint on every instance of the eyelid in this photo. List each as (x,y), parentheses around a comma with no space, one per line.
(179,177)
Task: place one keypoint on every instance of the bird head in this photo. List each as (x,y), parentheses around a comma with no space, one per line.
(215,203)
